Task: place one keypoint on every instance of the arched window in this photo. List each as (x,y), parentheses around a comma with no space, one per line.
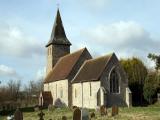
(114,82)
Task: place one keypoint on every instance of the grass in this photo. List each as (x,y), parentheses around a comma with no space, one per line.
(134,113)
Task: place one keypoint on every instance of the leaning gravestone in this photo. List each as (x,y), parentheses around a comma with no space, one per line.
(114,110)
(84,114)
(18,115)
(103,110)
(77,114)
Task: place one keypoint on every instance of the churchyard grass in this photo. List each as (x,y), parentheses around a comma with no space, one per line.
(134,113)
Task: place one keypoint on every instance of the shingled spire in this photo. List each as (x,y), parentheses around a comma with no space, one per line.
(58,35)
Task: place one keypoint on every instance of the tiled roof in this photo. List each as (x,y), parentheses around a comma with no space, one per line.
(64,66)
(92,69)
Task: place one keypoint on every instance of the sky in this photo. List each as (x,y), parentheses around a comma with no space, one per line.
(127,27)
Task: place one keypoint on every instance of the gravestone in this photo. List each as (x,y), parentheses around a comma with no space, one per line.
(36,108)
(97,109)
(64,118)
(158,96)
(18,115)
(51,107)
(41,114)
(114,110)
(59,104)
(84,114)
(103,110)
(77,114)
(92,115)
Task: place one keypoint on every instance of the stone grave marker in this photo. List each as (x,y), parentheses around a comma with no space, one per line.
(84,114)
(36,108)
(41,114)
(158,96)
(51,107)
(64,118)
(114,110)
(18,115)
(92,115)
(77,114)
(103,110)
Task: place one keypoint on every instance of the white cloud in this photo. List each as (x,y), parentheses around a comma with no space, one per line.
(6,71)
(125,38)
(13,42)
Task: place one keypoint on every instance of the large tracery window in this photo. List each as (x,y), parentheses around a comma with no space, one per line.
(114,82)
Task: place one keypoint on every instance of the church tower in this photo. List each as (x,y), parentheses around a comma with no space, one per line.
(58,44)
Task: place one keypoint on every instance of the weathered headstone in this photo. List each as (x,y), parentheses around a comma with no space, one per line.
(114,110)
(103,110)
(84,114)
(92,115)
(158,96)
(18,115)
(41,114)
(51,107)
(64,118)
(59,104)
(36,108)
(77,114)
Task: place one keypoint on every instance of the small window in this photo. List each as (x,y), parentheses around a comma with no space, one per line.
(56,90)
(75,93)
(90,90)
(61,93)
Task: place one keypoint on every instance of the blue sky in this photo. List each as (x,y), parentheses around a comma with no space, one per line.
(126,27)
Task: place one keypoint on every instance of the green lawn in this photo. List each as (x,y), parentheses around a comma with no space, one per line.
(134,113)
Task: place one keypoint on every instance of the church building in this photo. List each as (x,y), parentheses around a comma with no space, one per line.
(77,79)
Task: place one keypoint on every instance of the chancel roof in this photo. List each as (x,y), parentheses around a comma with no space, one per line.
(92,69)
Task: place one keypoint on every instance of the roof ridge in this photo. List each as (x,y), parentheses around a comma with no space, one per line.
(73,53)
(108,55)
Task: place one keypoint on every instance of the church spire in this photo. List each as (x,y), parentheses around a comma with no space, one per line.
(58,36)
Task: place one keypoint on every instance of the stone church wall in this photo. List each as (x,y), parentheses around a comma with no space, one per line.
(89,99)
(85,56)
(59,90)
